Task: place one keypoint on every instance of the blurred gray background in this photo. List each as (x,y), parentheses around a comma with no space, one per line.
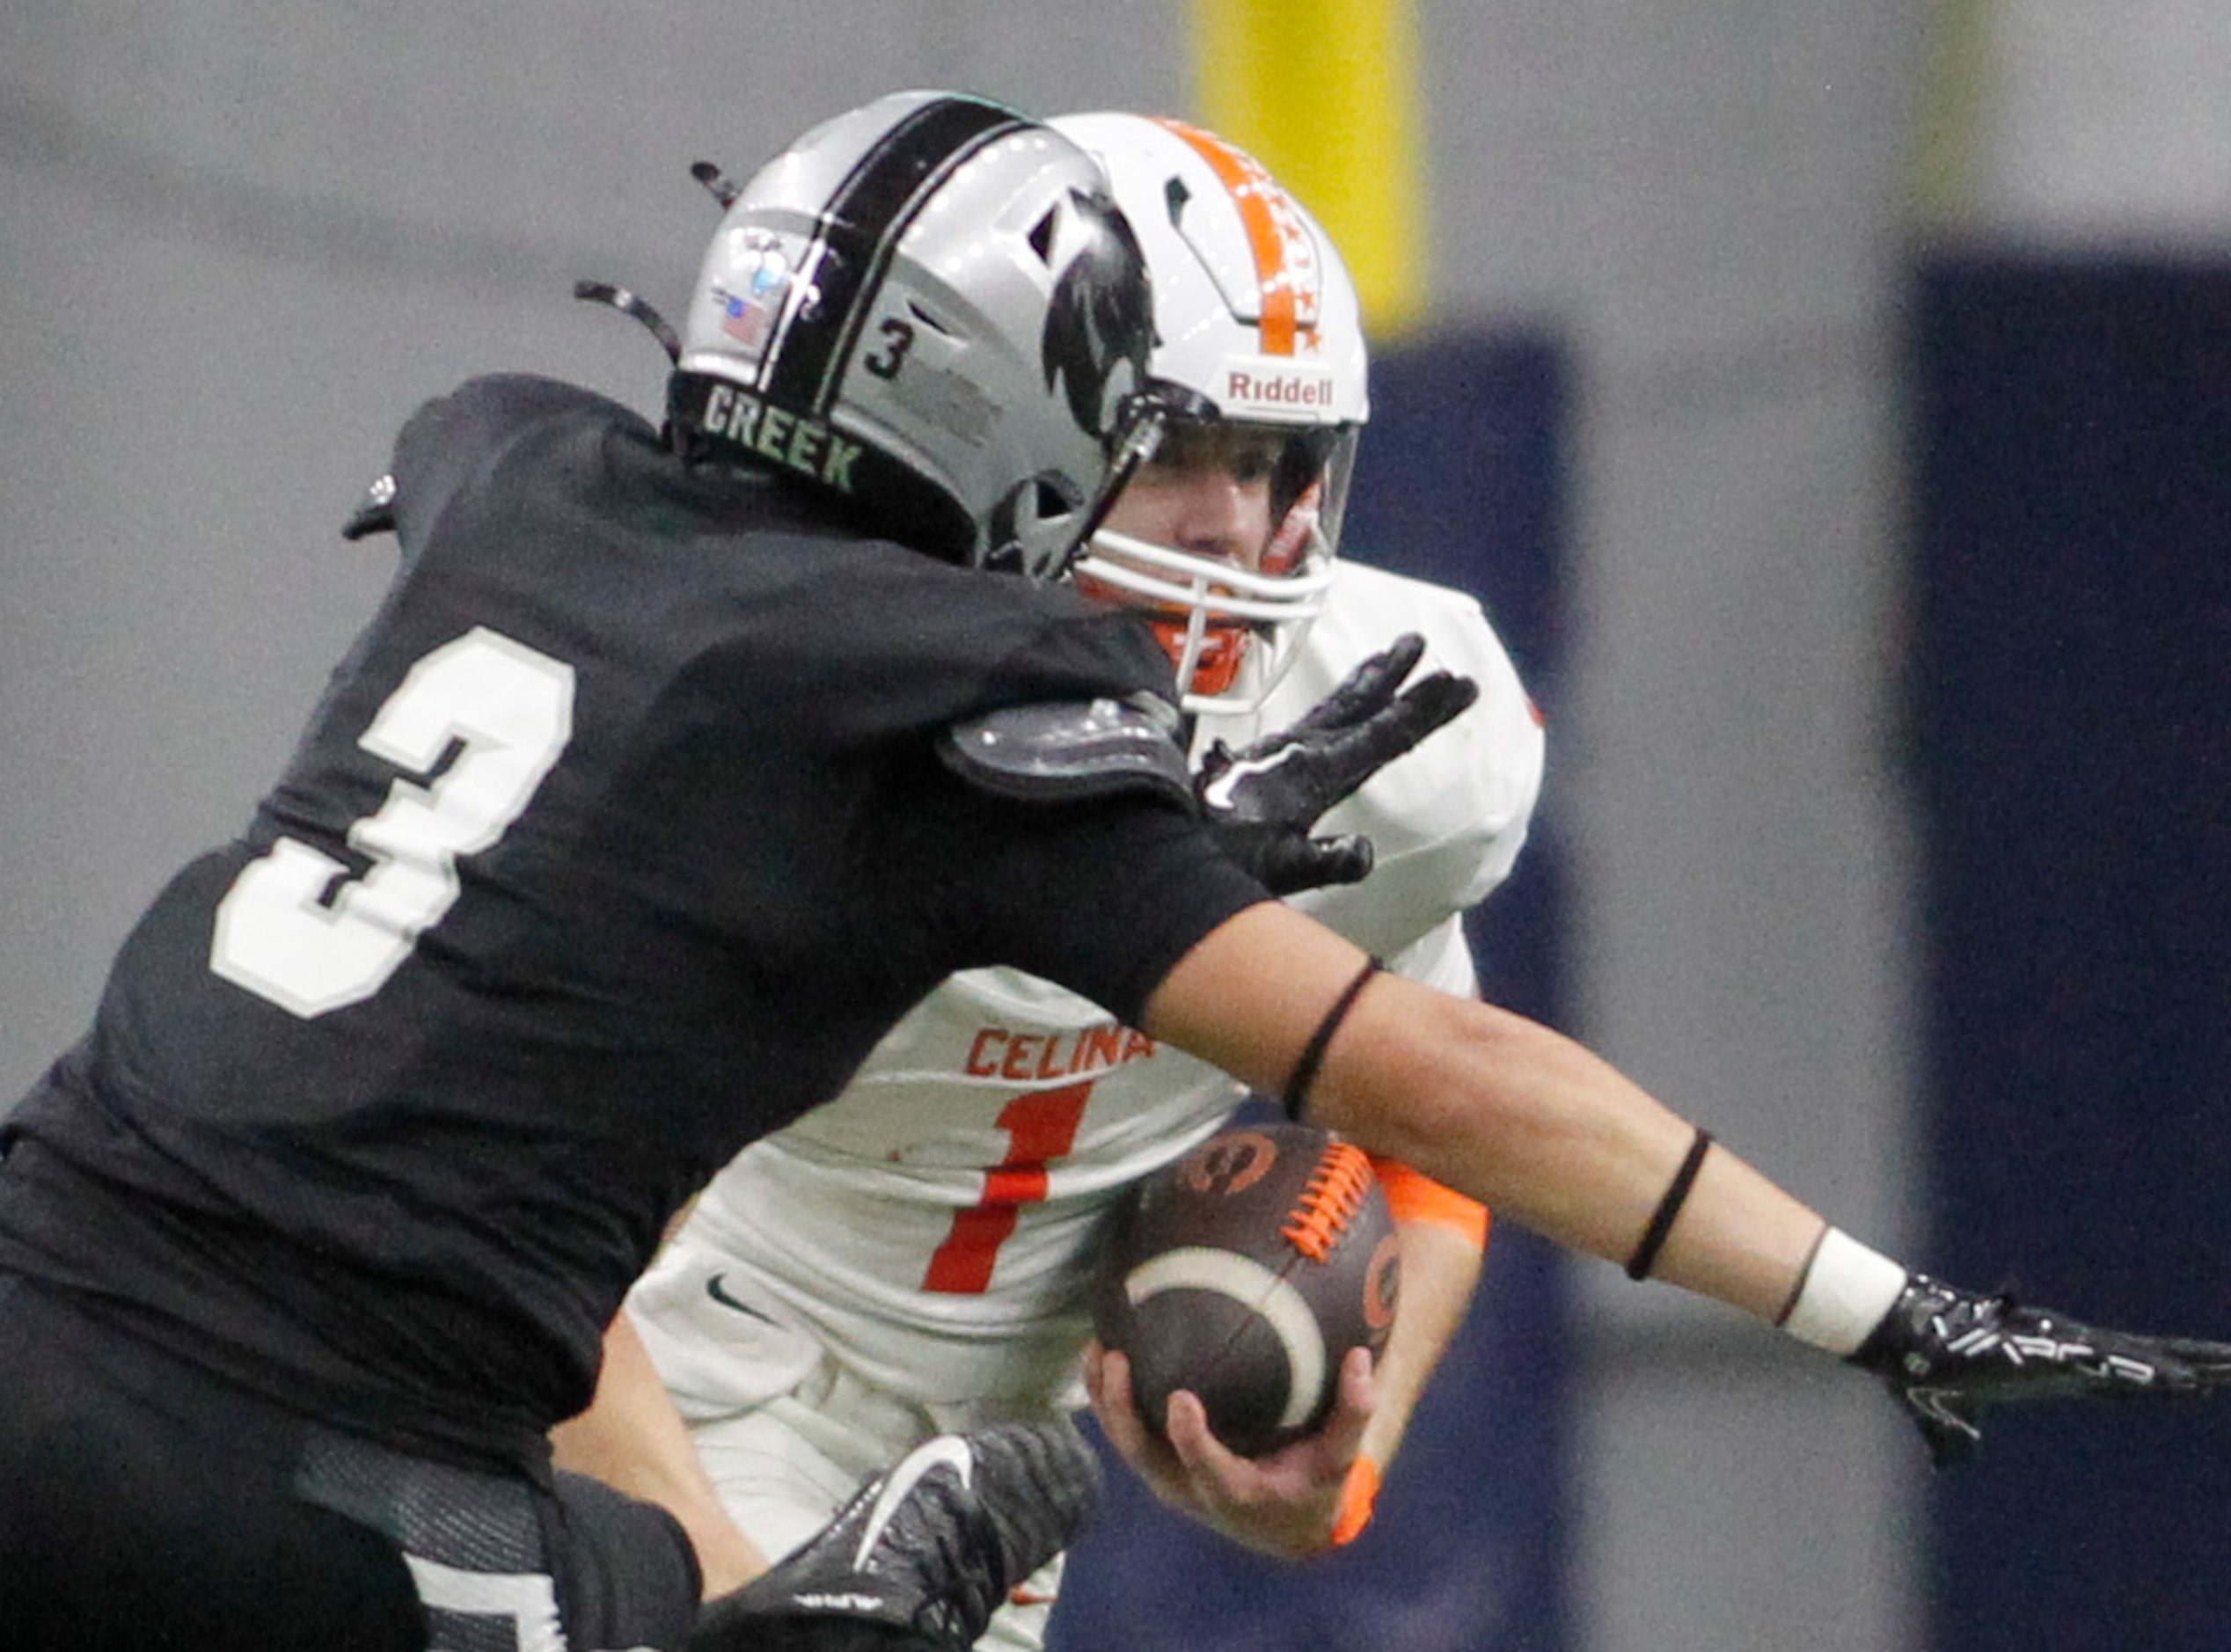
(243,239)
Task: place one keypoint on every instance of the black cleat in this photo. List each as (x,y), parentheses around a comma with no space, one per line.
(1948,1354)
(922,1555)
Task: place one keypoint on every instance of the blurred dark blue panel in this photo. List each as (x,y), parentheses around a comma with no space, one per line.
(1460,480)
(2070,725)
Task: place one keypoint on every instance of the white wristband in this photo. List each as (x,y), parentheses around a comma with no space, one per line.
(1848,1290)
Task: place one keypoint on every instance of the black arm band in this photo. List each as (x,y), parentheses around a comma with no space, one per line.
(1803,1273)
(1305,1072)
(1645,1256)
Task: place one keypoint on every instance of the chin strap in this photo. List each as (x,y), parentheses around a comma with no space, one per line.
(722,188)
(635,306)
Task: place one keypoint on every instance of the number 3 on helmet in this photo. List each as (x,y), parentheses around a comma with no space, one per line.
(929,305)
(1258,325)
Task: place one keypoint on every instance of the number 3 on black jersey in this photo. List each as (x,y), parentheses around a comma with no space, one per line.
(511,710)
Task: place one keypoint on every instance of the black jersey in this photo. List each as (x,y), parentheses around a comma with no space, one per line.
(616,841)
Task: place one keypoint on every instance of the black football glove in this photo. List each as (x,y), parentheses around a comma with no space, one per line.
(1264,799)
(923,1555)
(1948,1354)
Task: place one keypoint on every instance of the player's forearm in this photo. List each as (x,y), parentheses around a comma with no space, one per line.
(1551,1135)
(631,1438)
(1496,1106)
(1440,1269)
(1528,1122)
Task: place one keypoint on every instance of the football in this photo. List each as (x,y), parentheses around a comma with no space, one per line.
(1244,1273)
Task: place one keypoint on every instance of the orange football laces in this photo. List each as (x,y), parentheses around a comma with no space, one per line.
(1329,1202)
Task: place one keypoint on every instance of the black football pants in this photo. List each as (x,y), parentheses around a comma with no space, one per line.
(146,1504)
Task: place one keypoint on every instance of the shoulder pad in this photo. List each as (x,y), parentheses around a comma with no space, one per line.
(451,438)
(1070,750)
(376,512)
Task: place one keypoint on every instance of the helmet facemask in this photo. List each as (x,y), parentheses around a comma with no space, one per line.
(1232,623)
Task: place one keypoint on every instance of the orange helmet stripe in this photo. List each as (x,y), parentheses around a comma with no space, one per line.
(1243,177)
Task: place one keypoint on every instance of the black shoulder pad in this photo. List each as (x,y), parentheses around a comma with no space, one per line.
(1072,749)
(376,512)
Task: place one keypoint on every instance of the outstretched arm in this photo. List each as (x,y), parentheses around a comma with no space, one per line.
(1499,1107)
(1442,1252)
(1548,1133)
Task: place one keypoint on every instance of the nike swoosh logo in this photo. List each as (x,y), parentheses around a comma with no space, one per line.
(944,1450)
(713,1290)
(1220,793)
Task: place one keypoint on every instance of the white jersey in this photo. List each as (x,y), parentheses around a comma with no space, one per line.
(935,1227)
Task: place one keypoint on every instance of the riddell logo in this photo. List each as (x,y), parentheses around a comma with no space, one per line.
(1278,390)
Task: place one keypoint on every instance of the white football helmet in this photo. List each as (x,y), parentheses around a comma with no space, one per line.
(1257,323)
(929,305)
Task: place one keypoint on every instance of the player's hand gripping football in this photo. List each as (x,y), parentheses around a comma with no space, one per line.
(1948,1355)
(1284,1503)
(923,1553)
(1264,800)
